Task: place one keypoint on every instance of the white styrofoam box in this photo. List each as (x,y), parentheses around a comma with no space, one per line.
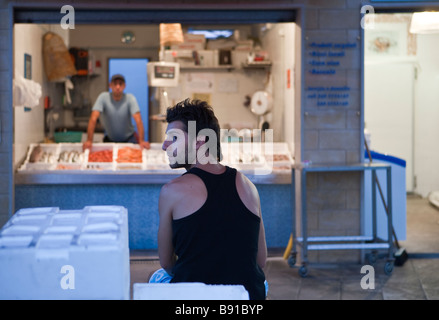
(188,291)
(156,159)
(122,165)
(71,157)
(48,253)
(239,58)
(191,42)
(173,55)
(40,167)
(101,166)
(183,57)
(244,45)
(47,160)
(256,157)
(70,153)
(207,58)
(168,55)
(48,148)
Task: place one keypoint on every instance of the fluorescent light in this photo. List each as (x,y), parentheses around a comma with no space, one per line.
(212,34)
(425,22)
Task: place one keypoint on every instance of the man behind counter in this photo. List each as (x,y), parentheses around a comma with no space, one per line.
(116,109)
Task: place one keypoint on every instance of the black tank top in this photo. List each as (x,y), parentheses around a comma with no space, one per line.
(218,243)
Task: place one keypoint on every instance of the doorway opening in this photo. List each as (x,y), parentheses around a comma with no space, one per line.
(136,83)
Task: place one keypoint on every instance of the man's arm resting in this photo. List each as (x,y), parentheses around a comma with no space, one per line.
(141,131)
(91,128)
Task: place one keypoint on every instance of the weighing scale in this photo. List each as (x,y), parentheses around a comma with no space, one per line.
(162,75)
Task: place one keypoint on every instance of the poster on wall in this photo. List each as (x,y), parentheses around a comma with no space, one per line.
(199,82)
(203,97)
(228,85)
(389,40)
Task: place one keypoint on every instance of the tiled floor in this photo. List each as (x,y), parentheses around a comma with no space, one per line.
(417,279)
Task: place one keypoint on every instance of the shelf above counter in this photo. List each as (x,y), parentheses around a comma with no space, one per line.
(204,68)
(228,67)
(257,65)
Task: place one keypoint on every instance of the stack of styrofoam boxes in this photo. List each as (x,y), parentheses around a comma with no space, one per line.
(206,58)
(47,253)
(241,52)
(183,53)
(191,42)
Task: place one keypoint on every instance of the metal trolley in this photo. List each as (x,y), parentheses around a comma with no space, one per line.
(341,242)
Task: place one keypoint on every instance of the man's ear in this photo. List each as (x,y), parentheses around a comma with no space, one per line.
(201,139)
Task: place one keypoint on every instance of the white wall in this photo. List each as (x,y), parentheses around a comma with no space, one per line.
(427,115)
(29,126)
(229,106)
(421,51)
(279,41)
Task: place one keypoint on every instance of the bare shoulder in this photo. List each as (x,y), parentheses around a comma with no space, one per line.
(245,182)
(178,188)
(248,193)
(173,188)
(181,184)
(182,196)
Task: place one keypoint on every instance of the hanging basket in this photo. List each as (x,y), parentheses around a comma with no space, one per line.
(57,60)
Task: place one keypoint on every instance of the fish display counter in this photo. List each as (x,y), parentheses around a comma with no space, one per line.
(63,175)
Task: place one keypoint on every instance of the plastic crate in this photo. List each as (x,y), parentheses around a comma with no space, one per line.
(47,159)
(68,136)
(100,166)
(71,153)
(125,164)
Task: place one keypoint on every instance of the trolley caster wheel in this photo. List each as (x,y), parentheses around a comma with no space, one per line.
(303,271)
(292,260)
(388,268)
(372,258)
